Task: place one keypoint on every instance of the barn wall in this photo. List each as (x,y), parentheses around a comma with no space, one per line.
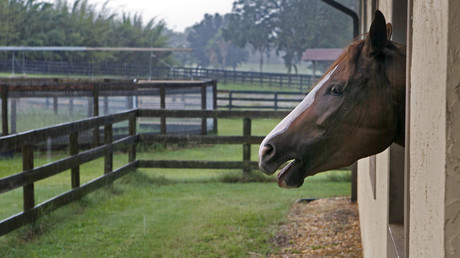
(452,199)
(428,128)
(373,215)
(435,130)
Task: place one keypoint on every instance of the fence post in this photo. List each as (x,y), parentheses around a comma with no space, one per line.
(214,104)
(96,113)
(13,115)
(74,149)
(27,164)
(108,159)
(203,107)
(132,132)
(276,101)
(4,110)
(246,147)
(162,106)
(230,100)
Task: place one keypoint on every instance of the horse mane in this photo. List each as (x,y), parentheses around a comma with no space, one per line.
(350,55)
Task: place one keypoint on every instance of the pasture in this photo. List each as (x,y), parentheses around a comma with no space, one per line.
(161,212)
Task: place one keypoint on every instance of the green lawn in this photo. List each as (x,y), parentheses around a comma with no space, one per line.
(142,216)
(161,212)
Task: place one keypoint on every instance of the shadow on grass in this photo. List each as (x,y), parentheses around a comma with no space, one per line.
(140,179)
(251,177)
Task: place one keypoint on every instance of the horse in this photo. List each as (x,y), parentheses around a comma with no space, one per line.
(357,109)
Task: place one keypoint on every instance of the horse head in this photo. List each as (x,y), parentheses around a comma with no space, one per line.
(354,111)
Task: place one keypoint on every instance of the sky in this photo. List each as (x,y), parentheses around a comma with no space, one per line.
(178,14)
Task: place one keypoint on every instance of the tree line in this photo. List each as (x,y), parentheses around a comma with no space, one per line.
(286,27)
(33,23)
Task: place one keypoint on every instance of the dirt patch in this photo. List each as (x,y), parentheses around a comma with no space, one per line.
(325,227)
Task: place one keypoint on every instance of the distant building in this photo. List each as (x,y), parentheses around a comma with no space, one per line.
(320,54)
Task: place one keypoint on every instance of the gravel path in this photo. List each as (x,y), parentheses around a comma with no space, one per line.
(322,228)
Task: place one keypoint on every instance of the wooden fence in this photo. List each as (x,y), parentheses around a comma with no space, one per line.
(302,82)
(27,141)
(94,90)
(274,100)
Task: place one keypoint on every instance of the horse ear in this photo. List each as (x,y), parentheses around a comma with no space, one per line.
(377,37)
(389,31)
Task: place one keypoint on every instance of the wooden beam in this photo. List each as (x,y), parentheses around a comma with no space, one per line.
(28,189)
(75,170)
(23,218)
(50,169)
(246,147)
(199,139)
(4,110)
(212,113)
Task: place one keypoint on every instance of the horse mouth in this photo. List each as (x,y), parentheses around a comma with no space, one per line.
(292,175)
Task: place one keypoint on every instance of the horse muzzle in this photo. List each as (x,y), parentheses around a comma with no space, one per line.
(291,176)
(265,160)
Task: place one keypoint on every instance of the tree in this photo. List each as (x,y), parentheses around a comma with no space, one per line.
(31,23)
(200,35)
(252,22)
(311,24)
(289,26)
(209,45)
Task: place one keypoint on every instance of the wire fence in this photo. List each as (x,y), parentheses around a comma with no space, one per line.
(146,71)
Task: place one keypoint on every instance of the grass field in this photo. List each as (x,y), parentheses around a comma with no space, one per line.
(143,216)
(160,212)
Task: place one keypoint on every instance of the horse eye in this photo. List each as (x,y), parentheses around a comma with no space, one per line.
(336,91)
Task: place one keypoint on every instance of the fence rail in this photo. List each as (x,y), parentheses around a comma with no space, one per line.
(301,82)
(13,90)
(27,141)
(275,100)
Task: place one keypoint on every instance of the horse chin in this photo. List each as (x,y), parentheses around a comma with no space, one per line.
(292,176)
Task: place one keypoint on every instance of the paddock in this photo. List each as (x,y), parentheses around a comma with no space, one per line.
(111,138)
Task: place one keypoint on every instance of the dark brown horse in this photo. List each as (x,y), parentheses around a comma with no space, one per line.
(356,110)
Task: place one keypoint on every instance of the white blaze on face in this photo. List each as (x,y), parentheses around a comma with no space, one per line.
(304,105)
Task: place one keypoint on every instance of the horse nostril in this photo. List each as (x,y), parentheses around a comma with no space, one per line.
(268,150)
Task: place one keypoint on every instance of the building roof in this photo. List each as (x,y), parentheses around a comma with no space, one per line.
(321,54)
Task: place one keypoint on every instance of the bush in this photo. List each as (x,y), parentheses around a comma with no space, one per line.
(339,176)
